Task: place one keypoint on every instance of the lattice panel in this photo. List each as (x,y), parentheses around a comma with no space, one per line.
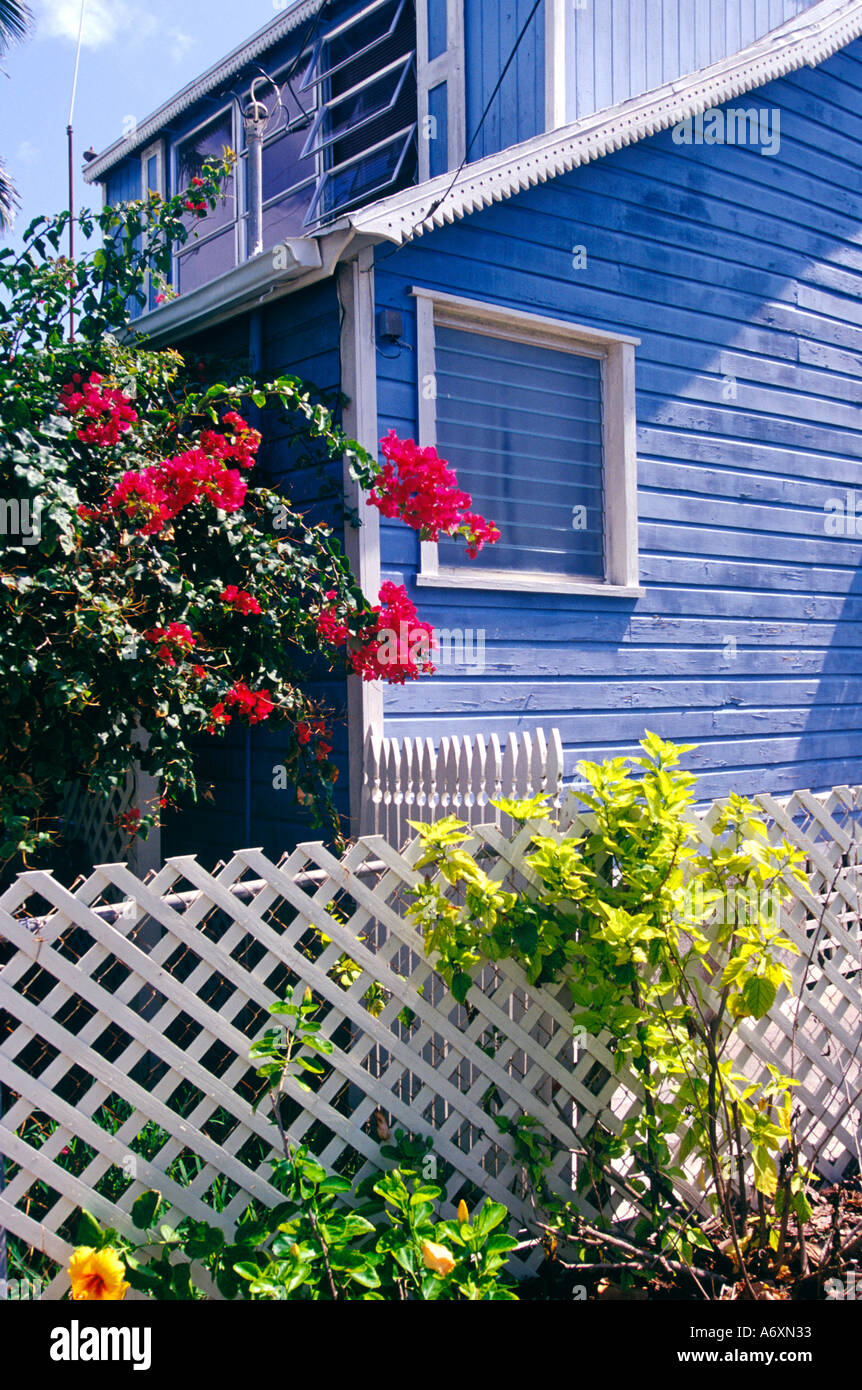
(93,820)
(127,1010)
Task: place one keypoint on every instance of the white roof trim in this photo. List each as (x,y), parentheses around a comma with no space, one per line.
(809,39)
(271,33)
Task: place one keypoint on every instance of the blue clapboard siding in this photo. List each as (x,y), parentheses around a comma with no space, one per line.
(123,183)
(741,273)
(518,110)
(620,48)
(299,337)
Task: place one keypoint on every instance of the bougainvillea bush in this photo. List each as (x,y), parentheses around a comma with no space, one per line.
(151,588)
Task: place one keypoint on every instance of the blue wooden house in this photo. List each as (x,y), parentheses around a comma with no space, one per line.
(607,255)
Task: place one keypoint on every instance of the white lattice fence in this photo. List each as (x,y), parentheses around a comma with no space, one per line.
(415,781)
(127,1010)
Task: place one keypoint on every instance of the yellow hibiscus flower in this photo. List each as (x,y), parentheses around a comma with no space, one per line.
(437,1257)
(97,1274)
(463,1213)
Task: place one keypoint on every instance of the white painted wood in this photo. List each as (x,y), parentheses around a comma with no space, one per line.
(447,67)
(617,353)
(556,62)
(436,1067)
(414,781)
(362,544)
(518,324)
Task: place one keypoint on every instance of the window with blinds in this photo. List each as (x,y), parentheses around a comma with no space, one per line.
(521,424)
(363,70)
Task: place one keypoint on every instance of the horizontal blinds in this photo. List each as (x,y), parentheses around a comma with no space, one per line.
(521,425)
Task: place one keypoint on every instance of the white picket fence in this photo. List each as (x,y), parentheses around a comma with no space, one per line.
(127,1010)
(415,781)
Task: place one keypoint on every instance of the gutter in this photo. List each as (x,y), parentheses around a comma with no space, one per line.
(283,269)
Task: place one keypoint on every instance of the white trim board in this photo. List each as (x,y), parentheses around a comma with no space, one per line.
(362,544)
(617,353)
(808,40)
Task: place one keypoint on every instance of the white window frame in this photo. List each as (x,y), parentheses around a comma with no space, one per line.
(447,67)
(619,439)
(195,242)
(157,150)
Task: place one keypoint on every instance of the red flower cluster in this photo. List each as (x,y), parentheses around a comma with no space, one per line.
(478,532)
(255,706)
(153,497)
(200,207)
(176,640)
(241,448)
(396,648)
(305,732)
(129,821)
(399,647)
(329,625)
(240,600)
(419,487)
(107,412)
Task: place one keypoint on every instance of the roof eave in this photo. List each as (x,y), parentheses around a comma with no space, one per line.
(807,40)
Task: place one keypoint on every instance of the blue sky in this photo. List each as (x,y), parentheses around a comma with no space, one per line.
(136,54)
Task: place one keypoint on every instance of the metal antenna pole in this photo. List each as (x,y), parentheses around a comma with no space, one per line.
(71,144)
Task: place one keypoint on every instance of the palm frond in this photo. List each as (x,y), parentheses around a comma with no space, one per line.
(8,200)
(16,20)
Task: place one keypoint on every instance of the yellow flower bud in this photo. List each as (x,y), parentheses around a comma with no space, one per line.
(437,1257)
(463,1213)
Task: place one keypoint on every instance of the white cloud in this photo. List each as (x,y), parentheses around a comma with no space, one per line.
(180,43)
(104,20)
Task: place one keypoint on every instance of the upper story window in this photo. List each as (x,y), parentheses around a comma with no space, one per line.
(340,130)
(152,181)
(213,249)
(364,136)
(537,417)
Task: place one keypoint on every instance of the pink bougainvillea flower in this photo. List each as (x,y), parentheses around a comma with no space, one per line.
(174,640)
(240,600)
(103,414)
(420,488)
(253,705)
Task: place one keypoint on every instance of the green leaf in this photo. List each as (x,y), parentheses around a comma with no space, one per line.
(461,983)
(758,995)
(335,1184)
(89,1231)
(145,1209)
